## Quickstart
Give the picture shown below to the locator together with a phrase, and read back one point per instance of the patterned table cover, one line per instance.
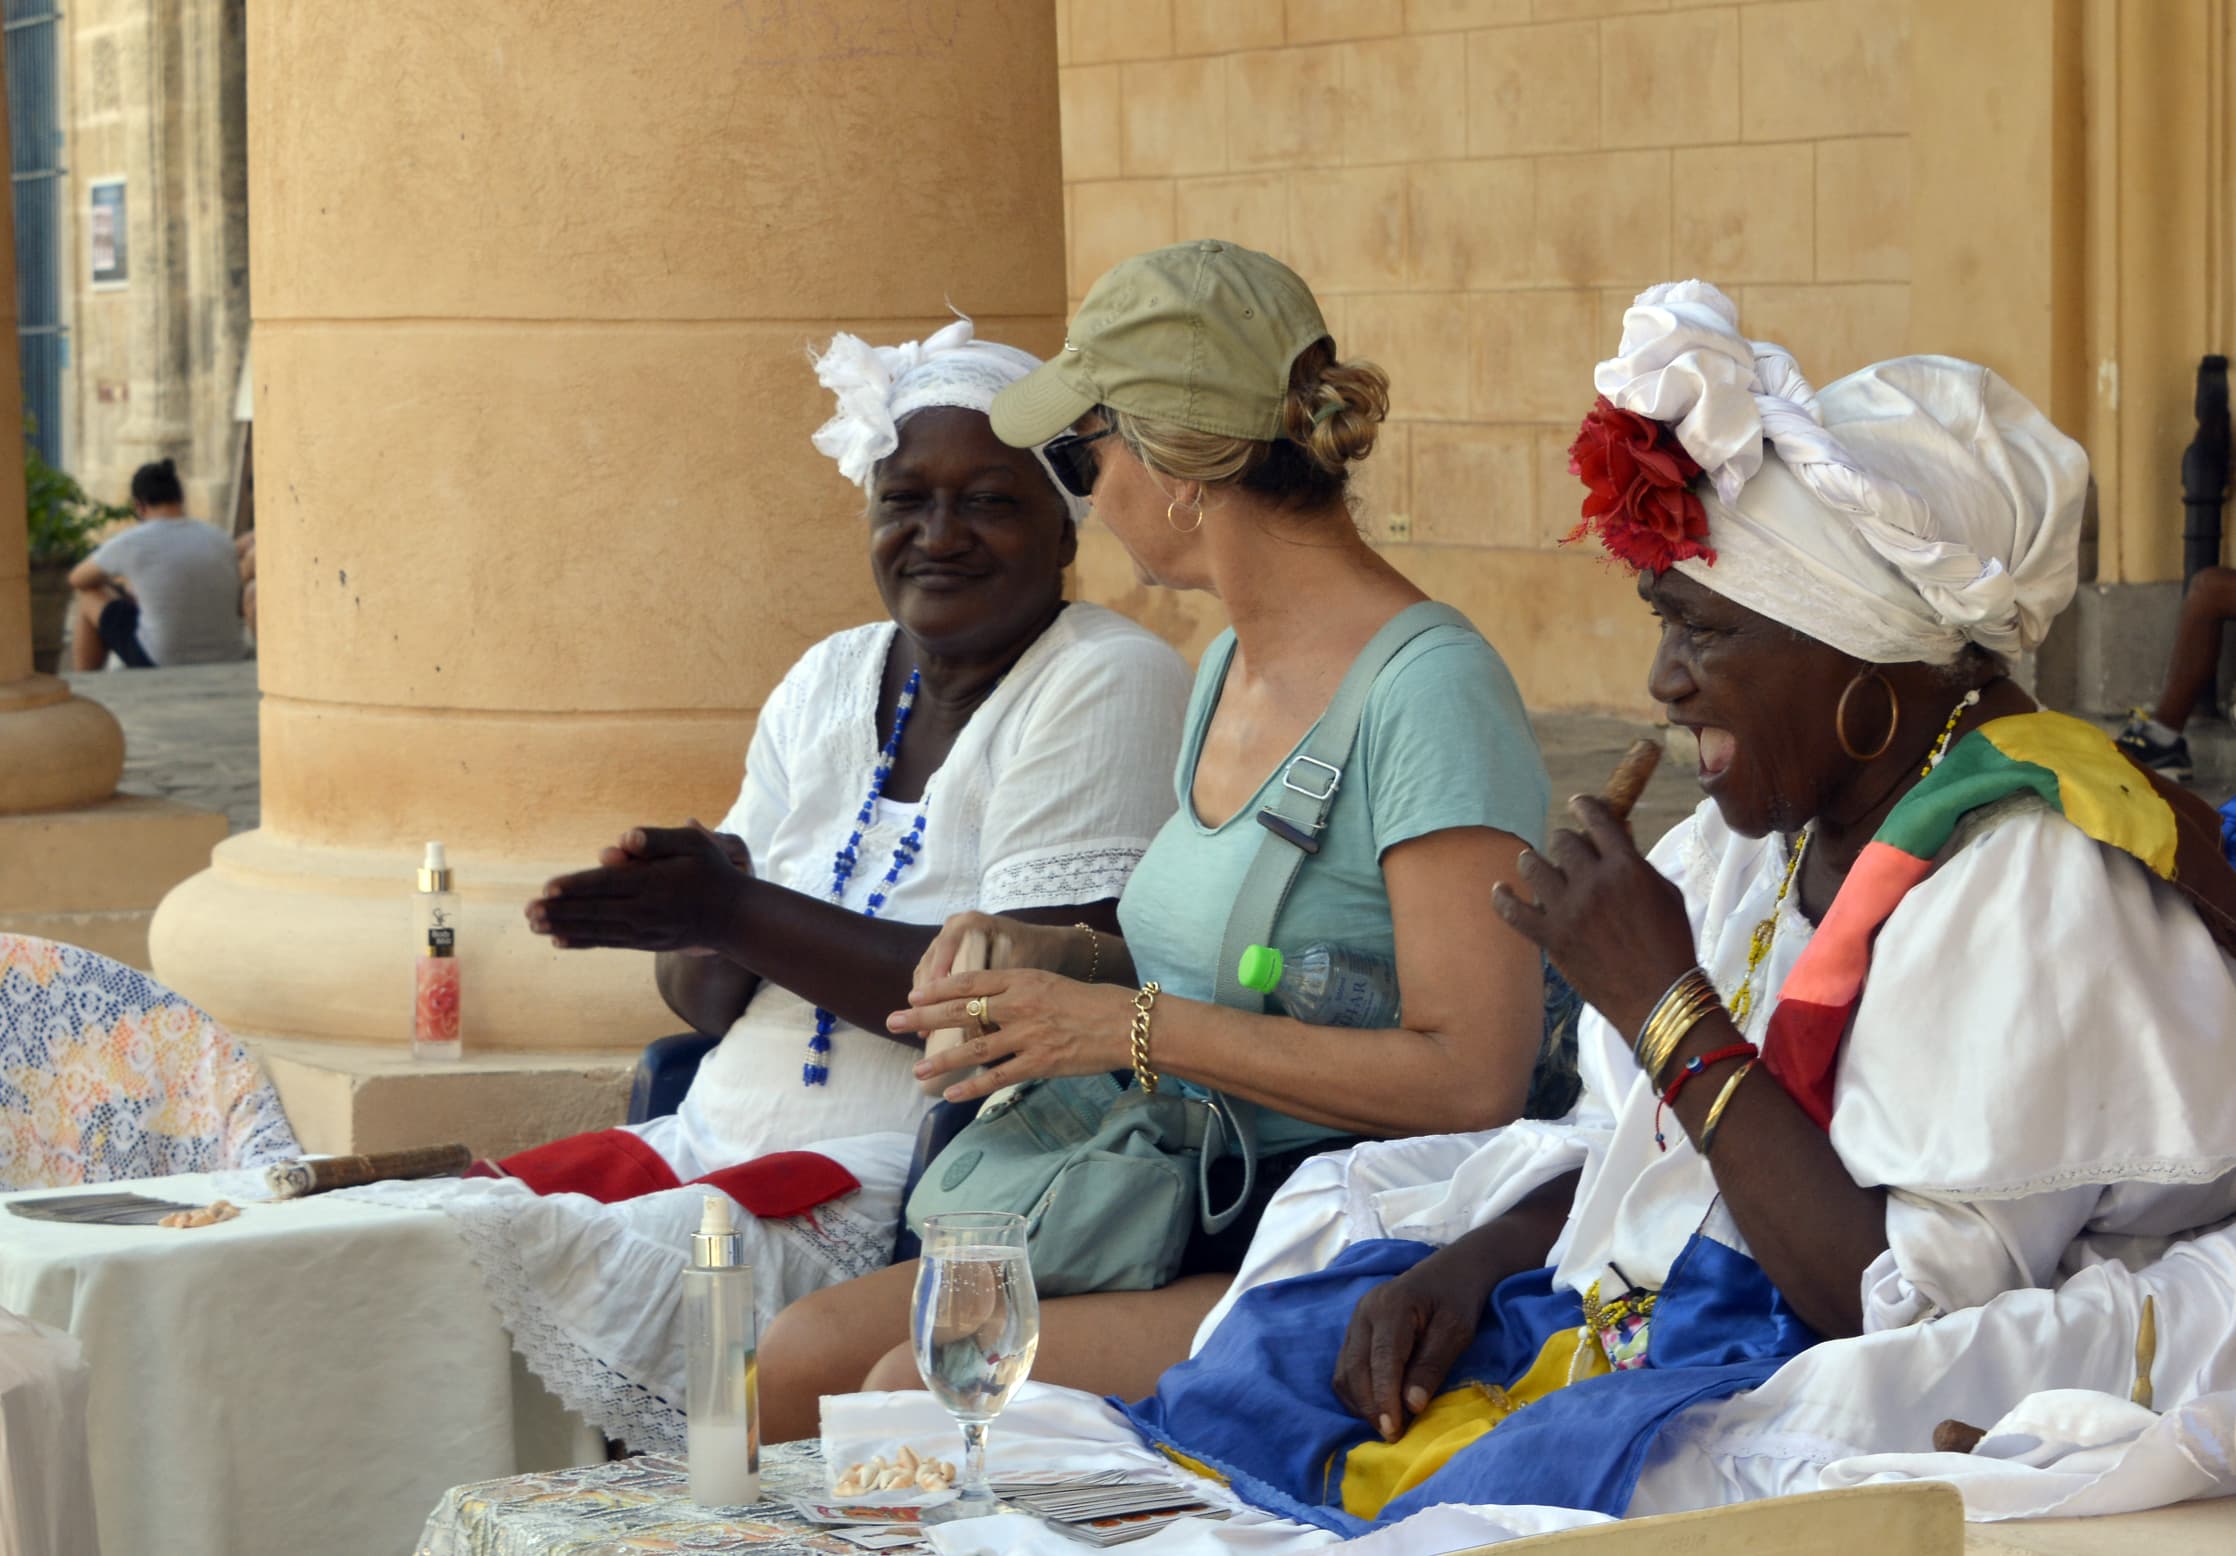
(632, 1505)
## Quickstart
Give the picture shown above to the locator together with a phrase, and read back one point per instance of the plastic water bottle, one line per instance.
(1325, 985)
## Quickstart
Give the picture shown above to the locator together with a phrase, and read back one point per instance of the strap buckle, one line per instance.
(1335, 780)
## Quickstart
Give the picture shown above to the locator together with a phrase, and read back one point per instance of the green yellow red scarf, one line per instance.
(2077, 771)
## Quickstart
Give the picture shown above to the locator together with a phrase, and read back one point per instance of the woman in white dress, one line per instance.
(990, 746)
(1906, 1062)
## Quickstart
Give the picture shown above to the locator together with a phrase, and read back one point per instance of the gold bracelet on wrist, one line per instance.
(1689, 999)
(1094, 951)
(1715, 1118)
(1145, 1076)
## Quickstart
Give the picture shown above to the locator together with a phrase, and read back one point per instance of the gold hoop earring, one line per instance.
(1840, 715)
(1172, 507)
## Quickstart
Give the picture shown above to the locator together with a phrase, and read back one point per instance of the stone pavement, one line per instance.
(190, 735)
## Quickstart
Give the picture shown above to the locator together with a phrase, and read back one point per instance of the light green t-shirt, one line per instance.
(1444, 742)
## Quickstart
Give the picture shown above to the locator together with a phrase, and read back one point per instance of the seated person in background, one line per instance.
(165, 592)
(1916, 1030)
(1215, 427)
(2154, 737)
(990, 746)
(245, 549)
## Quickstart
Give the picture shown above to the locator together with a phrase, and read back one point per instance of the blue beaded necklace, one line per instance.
(817, 1070)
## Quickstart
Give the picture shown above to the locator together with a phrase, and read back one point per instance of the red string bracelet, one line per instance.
(1690, 1068)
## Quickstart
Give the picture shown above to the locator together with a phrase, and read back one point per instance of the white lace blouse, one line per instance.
(1048, 797)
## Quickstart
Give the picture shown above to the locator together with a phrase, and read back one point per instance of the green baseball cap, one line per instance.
(1202, 334)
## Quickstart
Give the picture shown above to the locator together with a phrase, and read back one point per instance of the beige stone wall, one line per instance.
(1476, 188)
(156, 95)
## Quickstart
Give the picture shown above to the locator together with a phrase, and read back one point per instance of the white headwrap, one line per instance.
(879, 387)
(1913, 507)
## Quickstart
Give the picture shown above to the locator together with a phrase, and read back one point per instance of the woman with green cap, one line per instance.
(1213, 427)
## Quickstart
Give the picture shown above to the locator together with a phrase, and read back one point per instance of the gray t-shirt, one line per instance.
(187, 579)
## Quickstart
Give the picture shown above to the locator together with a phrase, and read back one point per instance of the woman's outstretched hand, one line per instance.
(1612, 923)
(1405, 1335)
(1037, 1024)
(657, 889)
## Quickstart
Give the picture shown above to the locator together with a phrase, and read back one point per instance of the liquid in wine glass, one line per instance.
(976, 1324)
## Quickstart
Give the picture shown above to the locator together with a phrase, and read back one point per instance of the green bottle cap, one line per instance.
(1260, 969)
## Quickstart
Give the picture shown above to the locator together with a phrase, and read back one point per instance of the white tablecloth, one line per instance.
(311, 1377)
(46, 1489)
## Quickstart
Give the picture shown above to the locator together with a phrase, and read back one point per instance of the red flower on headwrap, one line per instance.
(1639, 496)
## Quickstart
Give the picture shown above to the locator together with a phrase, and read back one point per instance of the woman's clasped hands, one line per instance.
(1033, 1019)
(657, 889)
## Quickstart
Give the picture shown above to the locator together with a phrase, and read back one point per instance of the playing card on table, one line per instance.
(892, 1540)
(840, 1514)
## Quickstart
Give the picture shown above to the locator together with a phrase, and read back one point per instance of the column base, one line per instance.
(56, 751)
(92, 876)
(345, 1097)
(2108, 651)
(287, 940)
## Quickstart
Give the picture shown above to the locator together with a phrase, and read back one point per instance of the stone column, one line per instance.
(540, 523)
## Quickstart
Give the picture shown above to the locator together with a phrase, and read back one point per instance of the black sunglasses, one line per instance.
(1073, 462)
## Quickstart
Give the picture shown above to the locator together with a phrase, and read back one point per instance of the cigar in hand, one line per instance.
(1630, 776)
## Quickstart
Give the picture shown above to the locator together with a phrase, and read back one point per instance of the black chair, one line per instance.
(664, 1074)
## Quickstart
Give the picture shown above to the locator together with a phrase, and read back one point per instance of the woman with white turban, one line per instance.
(990, 746)
(1906, 1063)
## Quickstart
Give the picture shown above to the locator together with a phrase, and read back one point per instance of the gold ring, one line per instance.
(976, 1008)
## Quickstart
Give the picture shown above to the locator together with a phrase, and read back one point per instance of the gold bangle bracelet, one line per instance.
(1678, 1010)
(1094, 951)
(1678, 1013)
(1145, 1077)
(1715, 1118)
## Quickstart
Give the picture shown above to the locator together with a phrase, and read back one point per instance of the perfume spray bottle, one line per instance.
(722, 1407)
(434, 1025)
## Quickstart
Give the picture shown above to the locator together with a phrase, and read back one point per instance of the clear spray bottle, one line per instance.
(722, 1398)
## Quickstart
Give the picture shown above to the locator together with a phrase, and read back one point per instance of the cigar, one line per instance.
(1956, 1437)
(292, 1180)
(1630, 775)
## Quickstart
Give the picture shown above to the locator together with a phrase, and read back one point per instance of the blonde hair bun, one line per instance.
(1335, 409)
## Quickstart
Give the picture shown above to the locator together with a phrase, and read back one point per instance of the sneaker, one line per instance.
(2155, 746)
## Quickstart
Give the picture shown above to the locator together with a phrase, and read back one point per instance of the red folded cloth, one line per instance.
(613, 1164)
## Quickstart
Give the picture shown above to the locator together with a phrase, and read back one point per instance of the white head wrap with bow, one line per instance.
(879, 387)
(1913, 507)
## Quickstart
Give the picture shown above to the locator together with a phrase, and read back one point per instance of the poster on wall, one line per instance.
(105, 226)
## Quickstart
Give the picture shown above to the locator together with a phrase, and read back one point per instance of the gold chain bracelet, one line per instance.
(1094, 951)
(1144, 1002)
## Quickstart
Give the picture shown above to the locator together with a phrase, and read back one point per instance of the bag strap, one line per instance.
(1293, 823)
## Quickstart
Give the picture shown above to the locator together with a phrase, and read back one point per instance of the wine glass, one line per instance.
(976, 1323)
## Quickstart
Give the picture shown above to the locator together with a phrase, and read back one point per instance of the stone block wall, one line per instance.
(1475, 189)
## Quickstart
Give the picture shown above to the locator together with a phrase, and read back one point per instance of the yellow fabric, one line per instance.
(1192, 1466)
(2098, 789)
(1376, 1473)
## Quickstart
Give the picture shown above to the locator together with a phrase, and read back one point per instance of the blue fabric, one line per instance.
(2228, 830)
(1257, 1403)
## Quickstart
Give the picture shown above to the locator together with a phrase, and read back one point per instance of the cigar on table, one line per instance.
(291, 1180)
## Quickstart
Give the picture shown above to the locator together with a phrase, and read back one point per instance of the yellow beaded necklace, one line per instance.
(1758, 945)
